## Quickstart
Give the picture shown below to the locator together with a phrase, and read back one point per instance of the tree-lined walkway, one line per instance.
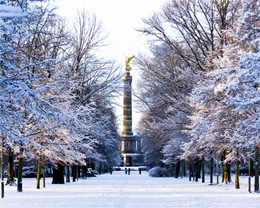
(134, 190)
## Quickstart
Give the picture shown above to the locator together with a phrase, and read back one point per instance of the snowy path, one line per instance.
(135, 191)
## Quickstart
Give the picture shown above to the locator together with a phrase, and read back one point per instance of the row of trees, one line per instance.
(55, 93)
(201, 94)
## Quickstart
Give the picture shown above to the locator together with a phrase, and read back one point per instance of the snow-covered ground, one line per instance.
(134, 190)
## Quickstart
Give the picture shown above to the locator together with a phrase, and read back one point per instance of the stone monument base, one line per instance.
(132, 160)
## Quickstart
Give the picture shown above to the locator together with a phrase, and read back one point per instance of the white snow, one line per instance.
(134, 190)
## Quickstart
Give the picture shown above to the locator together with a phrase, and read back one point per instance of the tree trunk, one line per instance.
(196, 171)
(226, 178)
(83, 175)
(211, 170)
(251, 168)
(203, 170)
(100, 167)
(190, 171)
(67, 174)
(177, 169)
(226, 173)
(256, 169)
(193, 171)
(58, 175)
(10, 174)
(217, 171)
(77, 172)
(184, 169)
(43, 179)
(73, 173)
(237, 174)
(249, 175)
(38, 176)
(20, 170)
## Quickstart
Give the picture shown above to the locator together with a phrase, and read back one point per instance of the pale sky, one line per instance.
(119, 18)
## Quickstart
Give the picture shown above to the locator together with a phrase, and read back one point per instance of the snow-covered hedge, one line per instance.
(159, 172)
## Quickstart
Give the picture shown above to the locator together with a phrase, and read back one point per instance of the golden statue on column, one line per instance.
(127, 61)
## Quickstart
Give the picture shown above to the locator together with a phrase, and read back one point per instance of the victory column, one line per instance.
(130, 144)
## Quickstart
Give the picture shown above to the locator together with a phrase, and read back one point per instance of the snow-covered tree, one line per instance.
(28, 117)
(198, 36)
(45, 103)
(96, 83)
(225, 101)
(225, 114)
(161, 102)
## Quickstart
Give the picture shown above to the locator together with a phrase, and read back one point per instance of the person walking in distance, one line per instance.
(140, 170)
(125, 170)
(129, 171)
